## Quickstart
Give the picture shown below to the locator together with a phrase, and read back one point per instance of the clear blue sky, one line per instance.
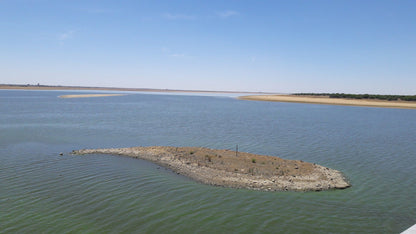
(352, 46)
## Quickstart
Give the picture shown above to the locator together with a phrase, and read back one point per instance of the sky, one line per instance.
(345, 46)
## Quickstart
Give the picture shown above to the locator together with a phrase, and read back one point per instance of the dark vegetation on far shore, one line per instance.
(363, 96)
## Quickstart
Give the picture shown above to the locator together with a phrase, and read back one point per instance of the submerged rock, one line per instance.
(236, 170)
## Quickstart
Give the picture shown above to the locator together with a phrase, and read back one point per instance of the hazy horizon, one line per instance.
(186, 90)
(268, 46)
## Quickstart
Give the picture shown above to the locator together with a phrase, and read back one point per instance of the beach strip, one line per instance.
(331, 101)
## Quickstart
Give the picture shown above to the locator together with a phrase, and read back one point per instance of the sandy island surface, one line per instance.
(90, 95)
(235, 170)
(331, 101)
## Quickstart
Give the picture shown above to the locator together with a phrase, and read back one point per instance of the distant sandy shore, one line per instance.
(90, 95)
(331, 101)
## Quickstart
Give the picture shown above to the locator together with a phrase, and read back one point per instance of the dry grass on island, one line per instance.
(233, 169)
(89, 95)
(331, 101)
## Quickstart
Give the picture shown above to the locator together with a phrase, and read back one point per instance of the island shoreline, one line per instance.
(233, 169)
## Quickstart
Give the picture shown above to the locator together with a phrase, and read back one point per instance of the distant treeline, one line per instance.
(363, 96)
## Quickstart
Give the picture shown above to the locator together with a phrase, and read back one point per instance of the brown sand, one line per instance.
(236, 170)
(90, 95)
(331, 101)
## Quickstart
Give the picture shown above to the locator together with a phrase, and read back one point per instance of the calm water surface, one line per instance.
(43, 192)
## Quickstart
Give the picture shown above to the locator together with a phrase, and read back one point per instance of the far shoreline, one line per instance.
(331, 101)
(69, 88)
(251, 96)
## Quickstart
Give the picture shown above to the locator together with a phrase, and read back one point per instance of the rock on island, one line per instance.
(233, 169)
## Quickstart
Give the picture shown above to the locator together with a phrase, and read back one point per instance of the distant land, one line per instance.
(59, 87)
(367, 100)
(362, 96)
(385, 101)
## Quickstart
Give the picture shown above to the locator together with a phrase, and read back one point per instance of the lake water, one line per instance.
(43, 192)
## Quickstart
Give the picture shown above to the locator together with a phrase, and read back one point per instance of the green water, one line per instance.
(42, 192)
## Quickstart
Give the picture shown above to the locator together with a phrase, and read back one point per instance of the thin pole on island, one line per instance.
(236, 150)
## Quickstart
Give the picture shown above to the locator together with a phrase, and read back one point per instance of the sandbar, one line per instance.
(233, 169)
(89, 95)
(331, 101)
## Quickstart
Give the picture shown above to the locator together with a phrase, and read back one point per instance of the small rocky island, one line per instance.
(235, 169)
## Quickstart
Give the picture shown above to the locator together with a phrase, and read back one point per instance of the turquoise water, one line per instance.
(43, 192)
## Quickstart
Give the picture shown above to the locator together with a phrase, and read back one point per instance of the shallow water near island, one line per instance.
(41, 191)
